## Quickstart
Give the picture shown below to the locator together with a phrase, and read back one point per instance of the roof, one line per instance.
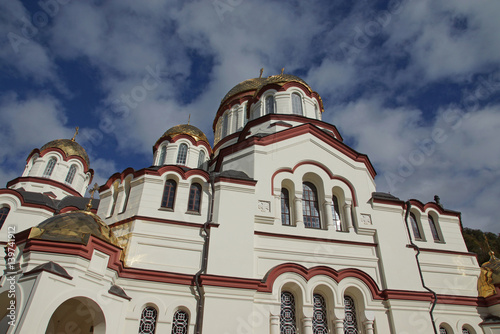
(186, 129)
(68, 201)
(255, 84)
(75, 227)
(69, 147)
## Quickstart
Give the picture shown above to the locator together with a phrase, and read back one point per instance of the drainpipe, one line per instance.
(205, 232)
(408, 207)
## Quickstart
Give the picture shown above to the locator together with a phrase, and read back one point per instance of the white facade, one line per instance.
(279, 209)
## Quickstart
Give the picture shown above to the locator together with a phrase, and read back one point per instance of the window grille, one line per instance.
(285, 207)
(297, 104)
(201, 159)
(182, 154)
(4, 212)
(288, 324)
(414, 226)
(148, 320)
(163, 154)
(434, 231)
(320, 322)
(270, 105)
(442, 330)
(71, 174)
(180, 324)
(310, 205)
(336, 214)
(169, 194)
(50, 167)
(465, 331)
(194, 198)
(350, 321)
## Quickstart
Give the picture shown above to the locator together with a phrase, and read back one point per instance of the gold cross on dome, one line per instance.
(76, 132)
(261, 71)
(91, 192)
(282, 70)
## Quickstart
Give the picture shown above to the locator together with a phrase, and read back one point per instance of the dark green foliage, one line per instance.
(474, 239)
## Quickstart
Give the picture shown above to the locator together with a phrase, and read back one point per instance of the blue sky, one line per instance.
(415, 85)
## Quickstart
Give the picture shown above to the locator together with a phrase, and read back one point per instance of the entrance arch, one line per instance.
(77, 315)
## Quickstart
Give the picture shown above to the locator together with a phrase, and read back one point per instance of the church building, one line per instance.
(275, 228)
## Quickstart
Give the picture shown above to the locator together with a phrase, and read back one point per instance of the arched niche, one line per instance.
(78, 314)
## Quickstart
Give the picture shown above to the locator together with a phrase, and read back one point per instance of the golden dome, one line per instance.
(254, 85)
(186, 129)
(69, 147)
(489, 277)
(74, 226)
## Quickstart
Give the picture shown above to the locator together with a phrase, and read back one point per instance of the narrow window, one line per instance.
(350, 321)
(310, 205)
(115, 197)
(296, 104)
(148, 320)
(336, 214)
(201, 159)
(127, 195)
(4, 212)
(285, 207)
(163, 154)
(316, 111)
(236, 120)
(50, 167)
(182, 154)
(225, 126)
(169, 194)
(194, 198)
(270, 104)
(71, 174)
(180, 324)
(414, 226)
(320, 323)
(434, 231)
(442, 330)
(288, 324)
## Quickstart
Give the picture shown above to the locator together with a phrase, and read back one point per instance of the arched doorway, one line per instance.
(77, 315)
(8, 311)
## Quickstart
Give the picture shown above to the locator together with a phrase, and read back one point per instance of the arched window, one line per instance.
(71, 174)
(225, 126)
(320, 322)
(414, 226)
(236, 120)
(127, 195)
(297, 104)
(465, 331)
(434, 231)
(285, 207)
(194, 198)
(169, 194)
(310, 205)
(50, 167)
(201, 158)
(148, 320)
(336, 214)
(288, 324)
(4, 212)
(182, 154)
(114, 198)
(163, 155)
(270, 104)
(350, 321)
(180, 323)
(442, 330)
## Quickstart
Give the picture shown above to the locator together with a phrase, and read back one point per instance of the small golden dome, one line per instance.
(186, 129)
(74, 226)
(489, 277)
(69, 147)
(254, 85)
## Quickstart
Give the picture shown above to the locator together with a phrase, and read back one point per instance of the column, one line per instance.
(347, 216)
(307, 323)
(277, 207)
(299, 219)
(328, 213)
(275, 324)
(338, 326)
(368, 326)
